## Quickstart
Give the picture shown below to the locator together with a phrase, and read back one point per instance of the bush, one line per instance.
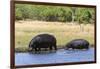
(57, 13)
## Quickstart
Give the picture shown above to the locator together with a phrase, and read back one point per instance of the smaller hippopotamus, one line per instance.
(78, 44)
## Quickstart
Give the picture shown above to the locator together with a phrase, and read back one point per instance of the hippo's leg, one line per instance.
(50, 47)
(45, 49)
(87, 47)
(36, 49)
(39, 49)
(55, 47)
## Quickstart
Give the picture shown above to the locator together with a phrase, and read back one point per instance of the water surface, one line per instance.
(60, 56)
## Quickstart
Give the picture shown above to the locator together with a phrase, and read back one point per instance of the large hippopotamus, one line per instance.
(43, 41)
(78, 44)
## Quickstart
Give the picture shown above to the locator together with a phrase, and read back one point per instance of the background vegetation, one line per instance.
(51, 13)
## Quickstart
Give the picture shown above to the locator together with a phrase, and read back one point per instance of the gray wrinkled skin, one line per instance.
(43, 41)
(78, 44)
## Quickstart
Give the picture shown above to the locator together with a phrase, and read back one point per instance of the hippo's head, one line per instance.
(31, 45)
(68, 45)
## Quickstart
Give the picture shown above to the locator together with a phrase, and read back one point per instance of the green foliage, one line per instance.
(54, 13)
(18, 14)
(84, 15)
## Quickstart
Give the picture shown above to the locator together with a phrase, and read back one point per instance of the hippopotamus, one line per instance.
(78, 44)
(43, 41)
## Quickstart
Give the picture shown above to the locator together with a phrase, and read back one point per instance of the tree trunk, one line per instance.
(81, 27)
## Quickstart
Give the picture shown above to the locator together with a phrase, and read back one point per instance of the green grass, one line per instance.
(64, 33)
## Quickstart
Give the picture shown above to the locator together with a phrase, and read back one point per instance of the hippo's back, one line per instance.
(46, 38)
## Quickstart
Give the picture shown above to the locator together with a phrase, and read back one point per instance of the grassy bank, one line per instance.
(64, 32)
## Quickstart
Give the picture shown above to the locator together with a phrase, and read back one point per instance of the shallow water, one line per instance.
(60, 56)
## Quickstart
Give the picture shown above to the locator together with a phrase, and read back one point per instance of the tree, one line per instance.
(18, 14)
(57, 13)
(73, 11)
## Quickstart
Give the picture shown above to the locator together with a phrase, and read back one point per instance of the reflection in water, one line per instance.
(59, 56)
